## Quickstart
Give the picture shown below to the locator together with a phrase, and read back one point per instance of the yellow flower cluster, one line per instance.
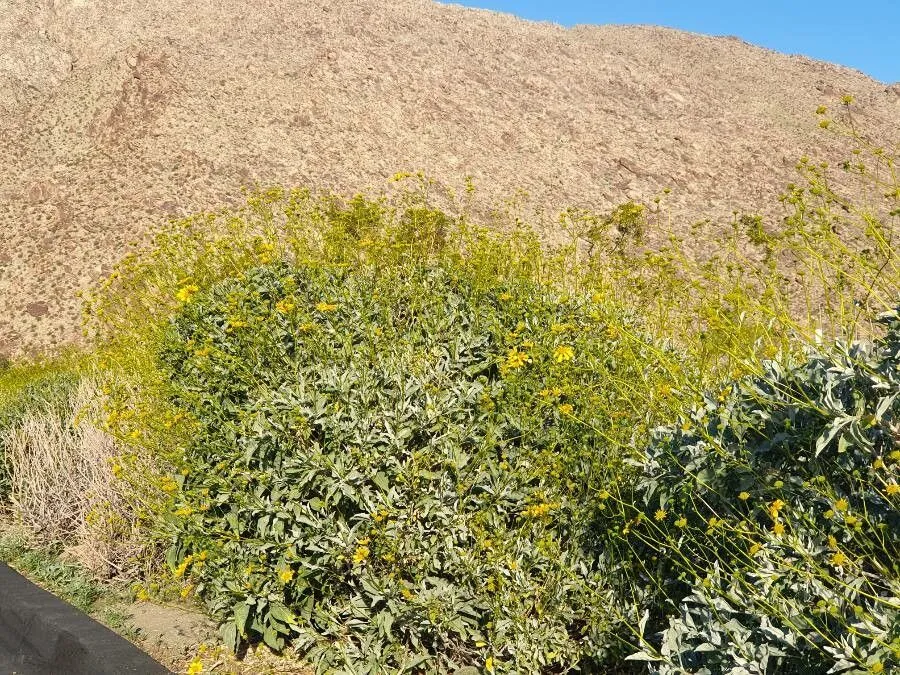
(186, 293)
(563, 353)
(168, 484)
(361, 555)
(182, 568)
(540, 510)
(516, 358)
(285, 306)
(775, 508)
(325, 307)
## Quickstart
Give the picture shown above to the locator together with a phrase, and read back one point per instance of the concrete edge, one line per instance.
(62, 638)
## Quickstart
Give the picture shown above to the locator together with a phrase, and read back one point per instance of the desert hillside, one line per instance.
(115, 115)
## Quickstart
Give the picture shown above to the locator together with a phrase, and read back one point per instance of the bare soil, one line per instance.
(118, 114)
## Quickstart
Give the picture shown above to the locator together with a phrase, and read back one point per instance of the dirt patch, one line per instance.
(176, 635)
(170, 634)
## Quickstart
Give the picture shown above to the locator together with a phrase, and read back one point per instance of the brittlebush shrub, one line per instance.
(397, 468)
(774, 513)
(397, 439)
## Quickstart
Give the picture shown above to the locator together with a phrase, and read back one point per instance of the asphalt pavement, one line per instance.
(42, 635)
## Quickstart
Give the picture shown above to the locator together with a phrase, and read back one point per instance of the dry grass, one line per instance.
(63, 490)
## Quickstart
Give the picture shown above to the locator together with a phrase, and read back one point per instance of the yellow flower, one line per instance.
(489, 664)
(838, 559)
(566, 409)
(505, 296)
(832, 542)
(406, 593)
(756, 548)
(775, 507)
(285, 306)
(851, 520)
(516, 359)
(286, 575)
(829, 514)
(877, 667)
(878, 463)
(195, 667)
(539, 510)
(360, 555)
(778, 528)
(325, 307)
(892, 489)
(660, 514)
(563, 353)
(187, 293)
(559, 328)
(744, 496)
(186, 591)
(895, 455)
(841, 504)
(681, 522)
(821, 110)
(181, 569)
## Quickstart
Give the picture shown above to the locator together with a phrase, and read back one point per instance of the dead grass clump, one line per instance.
(62, 487)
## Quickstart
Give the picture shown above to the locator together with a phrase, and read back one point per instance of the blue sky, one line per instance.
(862, 34)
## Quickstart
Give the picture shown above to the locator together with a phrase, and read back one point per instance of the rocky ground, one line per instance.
(118, 114)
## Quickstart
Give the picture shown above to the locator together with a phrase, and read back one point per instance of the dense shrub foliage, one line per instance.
(775, 513)
(391, 438)
(398, 468)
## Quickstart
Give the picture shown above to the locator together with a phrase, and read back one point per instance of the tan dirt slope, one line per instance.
(116, 114)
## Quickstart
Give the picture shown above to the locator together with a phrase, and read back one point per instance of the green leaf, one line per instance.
(241, 613)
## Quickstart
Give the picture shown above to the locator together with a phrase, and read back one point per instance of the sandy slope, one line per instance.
(115, 114)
